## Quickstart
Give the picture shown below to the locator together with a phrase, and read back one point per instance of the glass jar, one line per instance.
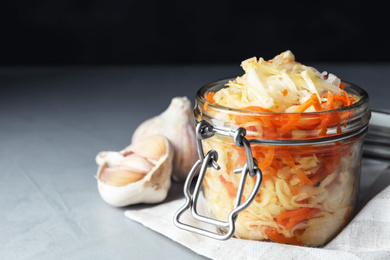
(309, 166)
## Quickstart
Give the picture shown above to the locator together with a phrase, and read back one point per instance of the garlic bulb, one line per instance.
(177, 123)
(139, 173)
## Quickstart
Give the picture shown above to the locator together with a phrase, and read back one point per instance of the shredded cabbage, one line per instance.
(333, 196)
(279, 84)
(308, 191)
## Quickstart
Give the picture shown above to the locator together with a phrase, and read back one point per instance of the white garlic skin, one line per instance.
(153, 188)
(177, 123)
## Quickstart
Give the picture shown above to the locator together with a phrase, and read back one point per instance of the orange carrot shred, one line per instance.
(317, 104)
(305, 105)
(272, 171)
(312, 101)
(294, 191)
(299, 218)
(275, 236)
(304, 179)
(268, 158)
(338, 120)
(304, 216)
(348, 101)
(284, 92)
(287, 127)
(206, 105)
(320, 174)
(266, 177)
(343, 97)
(210, 97)
(293, 217)
(290, 161)
(328, 106)
(232, 191)
(292, 213)
(329, 103)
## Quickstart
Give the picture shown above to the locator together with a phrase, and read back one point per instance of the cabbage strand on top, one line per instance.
(279, 85)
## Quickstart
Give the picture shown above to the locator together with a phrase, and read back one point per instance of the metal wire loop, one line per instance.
(213, 160)
(238, 136)
(204, 130)
(249, 157)
(227, 228)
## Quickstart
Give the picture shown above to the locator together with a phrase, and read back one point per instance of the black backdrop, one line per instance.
(180, 32)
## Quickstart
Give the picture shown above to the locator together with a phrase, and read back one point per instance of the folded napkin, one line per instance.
(367, 236)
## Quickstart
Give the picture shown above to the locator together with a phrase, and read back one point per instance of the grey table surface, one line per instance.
(54, 120)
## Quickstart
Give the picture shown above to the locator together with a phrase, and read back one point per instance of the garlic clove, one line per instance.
(151, 187)
(151, 126)
(177, 123)
(152, 147)
(119, 176)
(136, 163)
(112, 158)
(186, 147)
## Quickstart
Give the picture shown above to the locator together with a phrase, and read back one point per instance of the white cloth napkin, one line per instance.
(367, 236)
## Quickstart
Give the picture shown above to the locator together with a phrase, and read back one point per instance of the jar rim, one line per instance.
(218, 84)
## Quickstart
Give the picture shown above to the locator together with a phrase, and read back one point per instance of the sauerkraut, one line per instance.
(308, 191)
(282, 85)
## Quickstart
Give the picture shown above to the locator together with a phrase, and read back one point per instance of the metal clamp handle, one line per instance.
(205, 130)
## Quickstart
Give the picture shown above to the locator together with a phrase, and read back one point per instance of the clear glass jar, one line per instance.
(310, 165)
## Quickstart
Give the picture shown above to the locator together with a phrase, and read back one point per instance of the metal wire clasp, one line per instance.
(205, 130)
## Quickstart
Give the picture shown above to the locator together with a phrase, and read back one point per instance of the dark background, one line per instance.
(71, 32)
